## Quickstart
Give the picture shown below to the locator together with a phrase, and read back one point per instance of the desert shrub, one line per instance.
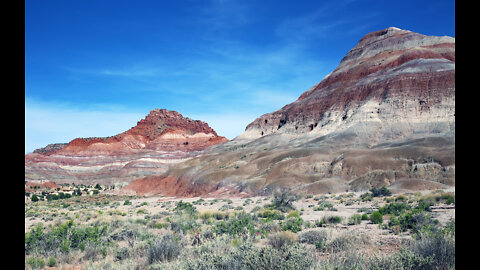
(247, 256)
(343, 242)
(355, 219)
(122, 254)
(376, 217)
(51, 262)
(206, 216)
(271, 214)
(63, 237)
(269, 227)
(293, 213)
(293, 224)
(241, 223)
(445, 197)
(164, 249)
(325, 204)
(367, 196)
(424, 205)
(316, 238)
(182, 222)
(394, 209)
(280, 239)
(438, 246)
(283, 201)
(127, 202)
(413, 220)
(401, 260)
(328, 220)
(35, 262)
(185, 207)
(34, 198)
(379, 192)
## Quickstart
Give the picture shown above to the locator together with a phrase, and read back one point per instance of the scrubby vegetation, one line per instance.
(126, 232)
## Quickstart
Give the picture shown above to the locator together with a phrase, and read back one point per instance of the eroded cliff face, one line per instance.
(384, 116)
(160, 140)
(392, 84)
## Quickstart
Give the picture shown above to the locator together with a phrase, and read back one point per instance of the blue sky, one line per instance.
(95, 68)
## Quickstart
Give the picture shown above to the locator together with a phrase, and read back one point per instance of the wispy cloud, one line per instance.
(324, 22)
(223, 14)
(129, 73)
(133, 72)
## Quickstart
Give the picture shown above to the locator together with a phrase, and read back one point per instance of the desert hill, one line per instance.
(160, 140)
(384, 116)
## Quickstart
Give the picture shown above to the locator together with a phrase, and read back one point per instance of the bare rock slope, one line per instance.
(384, 116)
(160, 140)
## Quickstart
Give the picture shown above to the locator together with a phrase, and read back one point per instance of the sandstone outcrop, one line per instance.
(384, 116)
(160, 140)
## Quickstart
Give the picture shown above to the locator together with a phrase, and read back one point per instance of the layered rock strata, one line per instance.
(394, 83)
(163, 138)
(384, 116)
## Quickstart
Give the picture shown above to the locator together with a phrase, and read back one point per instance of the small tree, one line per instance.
(283, 200)
(34, 198)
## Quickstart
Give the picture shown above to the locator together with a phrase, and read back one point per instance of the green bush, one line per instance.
(241, 223)
(51, 262)
(271, 214)
(367, 196)
(379, 192)
(36, 262)
(293, 213)
(185, 207)
(413, 220)
(394, 209)
(293, 224)
(63, 237)
(355, 219)
(376, 217)
(329, 220)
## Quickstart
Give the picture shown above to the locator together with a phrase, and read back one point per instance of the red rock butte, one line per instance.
(160, 140)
